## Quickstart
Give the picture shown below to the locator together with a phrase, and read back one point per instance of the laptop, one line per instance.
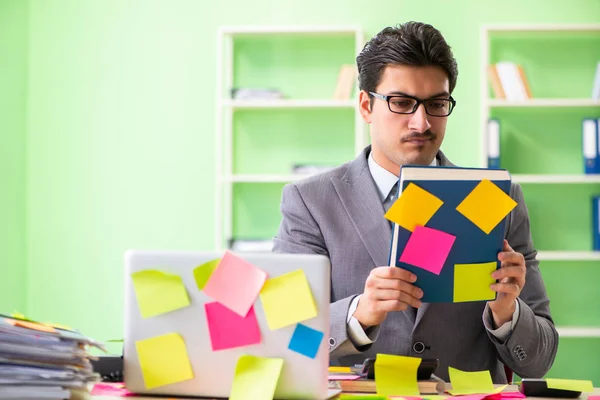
(303, 375)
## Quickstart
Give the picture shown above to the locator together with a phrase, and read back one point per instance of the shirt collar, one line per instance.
(384, 179)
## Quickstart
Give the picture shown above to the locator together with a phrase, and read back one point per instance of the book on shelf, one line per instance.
(591, 145)
(448, 228)
(345, 82)
(508, 81)
(493, 132)
(251, 245)
(256, 94)
(596, 86)
(596, 222)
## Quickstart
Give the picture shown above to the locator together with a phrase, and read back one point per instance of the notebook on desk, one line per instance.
(448, 228)
(206, 324)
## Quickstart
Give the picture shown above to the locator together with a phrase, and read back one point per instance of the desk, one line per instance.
(511, 388)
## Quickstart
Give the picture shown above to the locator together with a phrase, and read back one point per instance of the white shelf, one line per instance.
(498, 103)
(260, 178)
(547, 178)
(552, 255)
(284, 103)
(542, 28)
(580, 332)
(302, 30)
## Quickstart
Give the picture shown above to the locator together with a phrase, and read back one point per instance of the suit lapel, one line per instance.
(358, 194)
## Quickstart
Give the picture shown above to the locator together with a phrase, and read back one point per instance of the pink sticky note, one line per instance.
(507, 395)
(235, 283)
(468, 397)
(228, 330)
(593, 397)
(428, 249)
(110, 389)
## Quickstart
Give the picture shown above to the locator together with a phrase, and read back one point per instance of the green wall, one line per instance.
(13, 93)
(120, 132)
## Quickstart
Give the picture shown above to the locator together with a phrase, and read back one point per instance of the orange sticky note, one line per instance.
(30, 325)
(472, 282)
(415, 206)
(163, 360)
(287, 299)
(235, 283)
(396, 375)
(486, 206)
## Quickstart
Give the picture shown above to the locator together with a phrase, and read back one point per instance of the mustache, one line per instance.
(427, 135)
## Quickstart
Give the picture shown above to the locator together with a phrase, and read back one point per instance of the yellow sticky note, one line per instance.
(287, 299)
(336, 369)
(479, 382)
(255, 378)
(158, 292)
(203, 272)
(415, 206)
(396, 375)
(472, 282)
(163, 360)
(486, 206)
(570, 384)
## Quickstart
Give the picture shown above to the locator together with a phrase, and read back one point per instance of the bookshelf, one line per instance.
(541, 146)
(257, 140)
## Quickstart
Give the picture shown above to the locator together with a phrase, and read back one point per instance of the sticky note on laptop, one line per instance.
(287, 299)
(163, 360)
(158, 292)
(255, 378)
(235, 283)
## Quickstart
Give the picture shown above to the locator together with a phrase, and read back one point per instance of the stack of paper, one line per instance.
(41, 361)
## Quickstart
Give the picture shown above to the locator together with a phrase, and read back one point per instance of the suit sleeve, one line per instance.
(531, 348)
(299, 232)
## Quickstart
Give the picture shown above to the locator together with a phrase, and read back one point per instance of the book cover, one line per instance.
(590, 146)
(448, 228)
(596, 221)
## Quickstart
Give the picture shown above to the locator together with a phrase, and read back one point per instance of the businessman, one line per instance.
(406, 78)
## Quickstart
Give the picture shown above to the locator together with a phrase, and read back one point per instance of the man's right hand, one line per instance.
(386, 289)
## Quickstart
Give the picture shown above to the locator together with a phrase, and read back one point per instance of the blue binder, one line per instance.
(590, 146)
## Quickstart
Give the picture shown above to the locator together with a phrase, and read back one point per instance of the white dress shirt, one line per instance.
(385, 181)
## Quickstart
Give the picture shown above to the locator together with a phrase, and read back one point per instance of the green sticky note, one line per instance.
(163, 360)
(479, 382)
(255, 378)
(570, 384)
(396, 375)
(472, 282)
(203, 272)
(158, 292)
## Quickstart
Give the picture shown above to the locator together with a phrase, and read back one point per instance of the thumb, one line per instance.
(506, 246)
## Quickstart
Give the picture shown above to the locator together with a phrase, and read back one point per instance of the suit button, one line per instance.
(419, 347)
(331, 342)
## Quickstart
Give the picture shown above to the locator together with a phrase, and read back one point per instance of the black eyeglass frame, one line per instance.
(387, 99)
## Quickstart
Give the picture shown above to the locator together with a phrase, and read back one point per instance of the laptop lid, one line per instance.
(159, 281)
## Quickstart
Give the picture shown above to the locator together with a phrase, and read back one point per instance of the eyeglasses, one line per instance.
(408, 104)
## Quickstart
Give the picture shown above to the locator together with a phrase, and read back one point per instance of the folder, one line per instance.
(590, 146)
(493, 132)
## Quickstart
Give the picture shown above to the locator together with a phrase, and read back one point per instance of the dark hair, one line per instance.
(411, 43)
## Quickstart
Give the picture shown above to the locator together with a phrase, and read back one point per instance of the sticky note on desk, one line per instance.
(255, 378)
(235, 283)
(396, 375)
(570, 384)
(163, 360)
(428, 248)
(415, 206)
(287, 299)
(30, 325)
(158, 292)
(486, 206)
(479, 382)
(203, 272)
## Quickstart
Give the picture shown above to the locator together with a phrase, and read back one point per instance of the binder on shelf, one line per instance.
(596, 87)
(590, 146)
(596, 221)
(493, 132)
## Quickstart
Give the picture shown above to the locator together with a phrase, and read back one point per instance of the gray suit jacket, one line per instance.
(339, 214)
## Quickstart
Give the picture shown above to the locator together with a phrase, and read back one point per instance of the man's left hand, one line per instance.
(511, 278)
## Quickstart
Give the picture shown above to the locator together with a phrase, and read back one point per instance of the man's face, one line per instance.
(398, 139)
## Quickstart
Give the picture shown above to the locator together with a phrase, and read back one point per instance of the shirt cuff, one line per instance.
(356, 333)
(503, 332)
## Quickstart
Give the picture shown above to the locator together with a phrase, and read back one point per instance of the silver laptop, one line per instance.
(212, 372)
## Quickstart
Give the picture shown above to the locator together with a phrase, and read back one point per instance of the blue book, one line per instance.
(449, 229)
(493, 132)
(590, 146)
(596, 221)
